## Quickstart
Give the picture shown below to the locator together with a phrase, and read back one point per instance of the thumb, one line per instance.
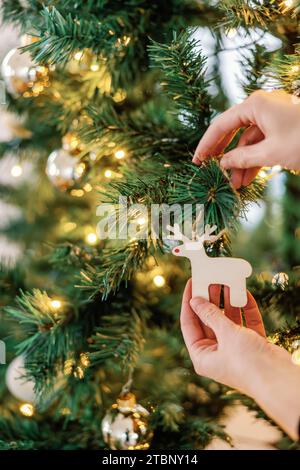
(247, 156)
(211, 316)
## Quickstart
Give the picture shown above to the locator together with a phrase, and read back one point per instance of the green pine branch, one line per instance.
(184, 68)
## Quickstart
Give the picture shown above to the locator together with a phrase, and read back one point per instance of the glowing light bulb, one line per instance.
(119, 154)
(88, 187)
(288, 3)
(159, 281)
(27, 409)
(78, 55)
(295, 68)
(108, 173)
(56, 304)
(16, 171)
(141, 221)
(94, 67)
(262, 173)
(91, 238)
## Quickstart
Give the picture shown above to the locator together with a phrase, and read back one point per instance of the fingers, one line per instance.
(214, 296)
(233, 313)
(190, 323)
(222, 129)
(253, 317)
(249, 175)
(249, 156)
(251, 135)
(211, 316)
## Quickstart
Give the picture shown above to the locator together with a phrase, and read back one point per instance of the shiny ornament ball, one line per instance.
(280, 280)
(64, 169)
(22, 76)
(126, 426)
(20, 387)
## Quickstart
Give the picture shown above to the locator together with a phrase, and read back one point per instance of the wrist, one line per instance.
(276, 388)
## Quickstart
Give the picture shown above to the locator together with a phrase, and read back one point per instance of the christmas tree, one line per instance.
(112, 99)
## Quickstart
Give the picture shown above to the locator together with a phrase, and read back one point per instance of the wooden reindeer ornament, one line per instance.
(207, 270)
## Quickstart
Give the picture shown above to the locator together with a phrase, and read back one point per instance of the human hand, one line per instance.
(241, 357)
(219, 347)
(271, 136)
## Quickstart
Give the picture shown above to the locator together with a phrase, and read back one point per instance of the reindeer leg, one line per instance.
(238, 294)
(200, 289)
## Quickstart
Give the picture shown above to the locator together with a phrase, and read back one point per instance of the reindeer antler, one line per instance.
(178, 235)
(208, 230)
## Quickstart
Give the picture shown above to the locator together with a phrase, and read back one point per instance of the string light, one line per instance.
(141, 221)
(108, 173)
(94, 67)
(288, 3)
(262, 173)
(78, 55)
(88, 187)
(16, 171)
(91, 238)
(77, 192)
(295, 68)
(159, 280)
(27, 409)
(56, 304)
(119, 154)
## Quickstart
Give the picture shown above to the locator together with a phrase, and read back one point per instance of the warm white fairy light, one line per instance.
(27, 409)
(159, 280)
(88, 187)
(16, 171)
(91, 238)
(141, 221)
(295, 68)
(288, 3)
(95, 67)
(108, 173)
(119, 154)
(78, 55)
(56, 304)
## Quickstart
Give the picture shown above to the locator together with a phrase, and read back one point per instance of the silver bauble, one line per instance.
(126, 426)
(19, 386)
(64, 169)
(22, 76)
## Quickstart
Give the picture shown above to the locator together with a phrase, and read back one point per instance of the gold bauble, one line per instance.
(280, 280)
(22, 76)
(125, 426)
(64, 169)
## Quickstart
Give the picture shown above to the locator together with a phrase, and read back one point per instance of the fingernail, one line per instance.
(195, 302)
(195, 159)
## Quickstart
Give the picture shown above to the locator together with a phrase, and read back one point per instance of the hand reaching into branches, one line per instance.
(241, 357)
(271, 123)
